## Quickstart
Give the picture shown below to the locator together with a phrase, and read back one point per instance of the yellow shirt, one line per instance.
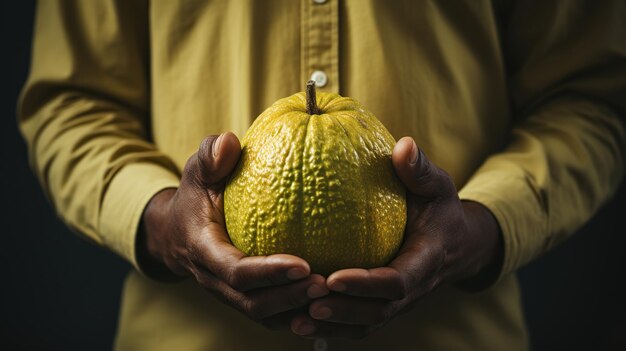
(519, 102)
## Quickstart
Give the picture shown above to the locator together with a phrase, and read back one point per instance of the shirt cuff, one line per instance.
(518, 211)
(126, 198)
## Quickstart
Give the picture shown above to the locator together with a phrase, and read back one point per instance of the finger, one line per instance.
(263, 303)
(306, 326)
(214, 161)
(383, 283)
(412, 273)
(216, 253)
(266, 302)
(422, 177)
(345, 309)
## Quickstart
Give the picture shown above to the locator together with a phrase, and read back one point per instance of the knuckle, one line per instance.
(251, 308)
(434, 283)
(203, 280)
(203, 277)
(206, 144)
(256, 311)
(424, 175)
(221, 272)
(235, 278)
(191, 167)
(198, 165)
(204, 150)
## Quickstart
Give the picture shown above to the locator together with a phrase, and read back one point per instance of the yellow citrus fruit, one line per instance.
(318, 184)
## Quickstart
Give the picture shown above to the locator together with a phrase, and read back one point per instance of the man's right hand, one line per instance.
(184, 232)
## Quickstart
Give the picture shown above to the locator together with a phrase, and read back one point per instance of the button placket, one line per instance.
(319, 51)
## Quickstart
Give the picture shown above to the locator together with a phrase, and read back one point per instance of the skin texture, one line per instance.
(183, 232)
(446, 242)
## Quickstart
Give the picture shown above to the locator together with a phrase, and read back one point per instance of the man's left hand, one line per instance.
(446, 241)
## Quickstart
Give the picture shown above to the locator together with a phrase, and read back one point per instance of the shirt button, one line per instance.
(319, 1)
(320, 345)
(320, 78)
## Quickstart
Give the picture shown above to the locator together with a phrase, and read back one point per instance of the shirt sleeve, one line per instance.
(567, 80)
(84, 113)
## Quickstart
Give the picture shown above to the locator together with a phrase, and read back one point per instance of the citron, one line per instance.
(315, 180)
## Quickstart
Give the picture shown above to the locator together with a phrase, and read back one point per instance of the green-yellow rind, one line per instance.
(320, 187)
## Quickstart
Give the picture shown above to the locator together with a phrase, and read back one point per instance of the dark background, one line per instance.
(62, 293)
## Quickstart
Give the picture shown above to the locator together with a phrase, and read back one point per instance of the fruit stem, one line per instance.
(311, 101)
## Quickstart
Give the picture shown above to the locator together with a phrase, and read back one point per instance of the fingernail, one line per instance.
(216, 145)
(296, 273)
(338, 286)
(314, 291)
(414, 155)
(305, 329)
(321, 312)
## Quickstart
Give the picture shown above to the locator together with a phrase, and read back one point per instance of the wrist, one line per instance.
(485, 249)
(151, 234)
(155, 222)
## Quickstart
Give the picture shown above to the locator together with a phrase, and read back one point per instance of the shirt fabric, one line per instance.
(520, 102)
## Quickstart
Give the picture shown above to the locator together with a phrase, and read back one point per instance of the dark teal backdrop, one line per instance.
(59, 292)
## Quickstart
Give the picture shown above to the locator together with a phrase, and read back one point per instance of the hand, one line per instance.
(446, 240)
(183, 231)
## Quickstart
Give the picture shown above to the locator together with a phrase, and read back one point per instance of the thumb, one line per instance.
(215, 160)
(422, 177)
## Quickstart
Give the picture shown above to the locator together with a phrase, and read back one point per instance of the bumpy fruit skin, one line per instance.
(321, 187)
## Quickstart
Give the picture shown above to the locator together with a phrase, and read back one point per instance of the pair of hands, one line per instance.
(446, 241)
